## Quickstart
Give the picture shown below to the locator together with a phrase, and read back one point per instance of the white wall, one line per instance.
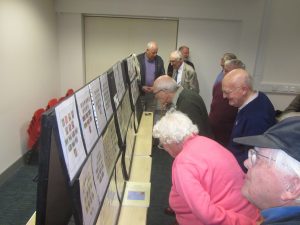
(30, 74)
(277, 60)
(70, 43)
(248, 14)
(28, 71)
(108, 40)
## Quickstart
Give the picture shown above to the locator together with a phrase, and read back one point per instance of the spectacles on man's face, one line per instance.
(253, 155)
(228, 92)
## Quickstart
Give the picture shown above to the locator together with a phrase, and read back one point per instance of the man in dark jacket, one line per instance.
(170, 94)
(273, 179)
(151, 67)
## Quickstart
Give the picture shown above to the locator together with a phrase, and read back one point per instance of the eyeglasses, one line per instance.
(230, 91)
(253, 155)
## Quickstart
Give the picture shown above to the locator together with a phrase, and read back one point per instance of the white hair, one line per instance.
(174, 127)
(285, 163)
(177, 55)
(287, 166)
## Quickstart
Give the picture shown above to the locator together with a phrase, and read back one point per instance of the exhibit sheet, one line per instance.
(86, 117)
(101, 177)
(88, 196)
(110, 207)
(120, 84)
(98, 105)
(130, 138)
(131, 68)
(111, 148)
(106, 96)
(70, 136)
(134, 91)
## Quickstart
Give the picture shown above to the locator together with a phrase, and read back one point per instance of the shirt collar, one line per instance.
(250, 99)
(180, 69)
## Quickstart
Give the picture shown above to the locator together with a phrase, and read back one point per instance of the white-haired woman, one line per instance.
(206, 178)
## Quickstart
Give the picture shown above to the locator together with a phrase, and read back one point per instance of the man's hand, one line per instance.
(147, 89)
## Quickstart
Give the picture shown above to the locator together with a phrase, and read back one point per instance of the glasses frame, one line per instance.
(230, 91)
(253, 156)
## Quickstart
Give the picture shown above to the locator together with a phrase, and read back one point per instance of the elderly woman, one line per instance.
(206, 178)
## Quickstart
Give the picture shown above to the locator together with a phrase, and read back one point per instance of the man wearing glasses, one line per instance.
(273, 179)
(255, 111)
(171, 95)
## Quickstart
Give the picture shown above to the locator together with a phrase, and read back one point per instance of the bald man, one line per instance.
(171, 95)
(151, 67)
(255, 111)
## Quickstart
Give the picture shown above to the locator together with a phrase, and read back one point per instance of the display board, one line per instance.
(124, 112)
(119, 80)
(98, 105)
(106, 96)
(86, 117)
(101, 177)
(130, 143)
(85, 140)
(88, 196)
(71, 140)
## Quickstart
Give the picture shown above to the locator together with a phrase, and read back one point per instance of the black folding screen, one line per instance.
(87, 143)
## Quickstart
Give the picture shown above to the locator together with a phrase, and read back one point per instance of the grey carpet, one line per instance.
(18, 196)
(18, 193)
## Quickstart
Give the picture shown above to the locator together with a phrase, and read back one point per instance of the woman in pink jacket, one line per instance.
(206, 178)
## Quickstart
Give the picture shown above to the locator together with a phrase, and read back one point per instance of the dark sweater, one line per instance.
(253, 119)
(191, 103)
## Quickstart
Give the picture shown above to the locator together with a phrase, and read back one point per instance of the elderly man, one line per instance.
(255, 111)
(185, 51)
(225, 57)
(273, 179)
(183, 73)
(222, 115)
(170, 94)
(151, 67)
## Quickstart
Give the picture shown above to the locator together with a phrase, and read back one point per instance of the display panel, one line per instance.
(111, 206)
(70, 136)
(86, 117)
(111, 147)
(119, 80)
(106, 96)
(101, 176)
(123, 115)
(135, 92)
(131, 68)
(98, 105)
(130, 141)
(88, 196)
